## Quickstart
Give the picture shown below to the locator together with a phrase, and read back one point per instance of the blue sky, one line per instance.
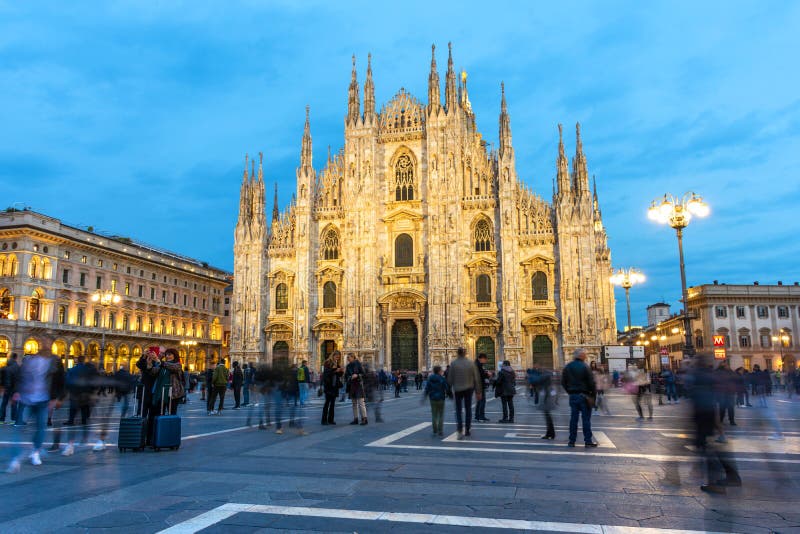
(134, 117)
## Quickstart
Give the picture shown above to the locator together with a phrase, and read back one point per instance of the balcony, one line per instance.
(531, 306)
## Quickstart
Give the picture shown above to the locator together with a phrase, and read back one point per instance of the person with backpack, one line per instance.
(219, 382)
(505, 388)
(436, 390)
(303, 382)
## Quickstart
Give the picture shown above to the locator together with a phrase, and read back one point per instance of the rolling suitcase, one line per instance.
(166, 429)
(133, 430)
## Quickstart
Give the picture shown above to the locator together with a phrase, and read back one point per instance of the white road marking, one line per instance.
(788, 445)
(600, 437)
(225, 511)
(458, 446)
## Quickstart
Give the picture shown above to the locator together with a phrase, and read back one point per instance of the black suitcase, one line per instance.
(166, 429)
(133, 430)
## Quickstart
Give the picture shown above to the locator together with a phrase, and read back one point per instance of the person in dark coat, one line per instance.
(480, 404)
(8, 380)
(354, 377)
(578, 381)
(505, 388)
(725, 382)
(237, 381)
(704, 410)
(331, 384)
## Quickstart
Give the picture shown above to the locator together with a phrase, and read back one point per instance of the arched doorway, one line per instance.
(404, 345)
(280, 354)
(542, 352)
(485, 345)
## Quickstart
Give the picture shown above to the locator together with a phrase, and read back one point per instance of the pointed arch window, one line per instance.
(330, 245)
(483, 236)
(403, 251)
(282, 297)
(483, 288)
(539, 286)
(404, 178)
(329, 295)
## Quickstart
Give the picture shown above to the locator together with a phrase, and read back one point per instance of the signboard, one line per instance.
(623, 352)
(719, 354)
(664, 351)
(665, 360)
(719, 341)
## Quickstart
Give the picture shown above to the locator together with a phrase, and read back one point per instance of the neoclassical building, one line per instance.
(50, 270)
(417, 238)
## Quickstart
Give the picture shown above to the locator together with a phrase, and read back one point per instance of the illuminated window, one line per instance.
(81, 316)
(62, 315)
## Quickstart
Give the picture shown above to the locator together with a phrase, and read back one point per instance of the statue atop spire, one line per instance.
(505, 124)
(275, 213)
(369, 92)
(305, 152)
(562, 165)
(580, 173)
(450, 90)
(353, 99)
(434, 97)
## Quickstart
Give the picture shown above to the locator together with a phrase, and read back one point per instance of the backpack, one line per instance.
(301, 374)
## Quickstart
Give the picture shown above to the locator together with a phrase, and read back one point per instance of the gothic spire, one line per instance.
(580, 173)
(261, 167)
(450, 94)
(353, 100)
(369, 92)
(562, 165)
(275, 213)
(505, 124)
(244, 196)
(434, 98)
(305, 152)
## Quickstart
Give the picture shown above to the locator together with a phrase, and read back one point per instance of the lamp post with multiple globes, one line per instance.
(104, 298)
(627, 278)
(678, 212)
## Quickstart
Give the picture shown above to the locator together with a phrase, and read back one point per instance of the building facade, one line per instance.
(417, 238)
(50, 270)
(757, 323)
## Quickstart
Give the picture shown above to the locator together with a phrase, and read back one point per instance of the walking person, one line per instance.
(547, 398)
(669, 385)
(418, 380)
(577, 380)
(353, 375)
(248, 372)
(237, 380)
(34, 394)
(505, 388)
(8, 380)
(436, 389)
(464, 380)
(480, 402)
(398, 384)
(123, 385)
(219, 383)
(331, 384)
(373, 395)
(725, 381)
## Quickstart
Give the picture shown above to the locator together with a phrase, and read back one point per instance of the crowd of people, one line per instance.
(32, 391)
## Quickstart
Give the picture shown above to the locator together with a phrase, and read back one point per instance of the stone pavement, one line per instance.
(228, 477)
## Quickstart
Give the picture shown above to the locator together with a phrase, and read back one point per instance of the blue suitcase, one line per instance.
(166, 430)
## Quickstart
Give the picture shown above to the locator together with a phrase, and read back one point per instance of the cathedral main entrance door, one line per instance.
(280, 354)
(542, 352)
(485, 345)
(404, 345)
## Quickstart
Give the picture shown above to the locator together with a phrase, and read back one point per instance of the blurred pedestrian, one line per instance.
(219, 384)
(8, 380)
(303, 381)
(725, 389)
(353, 375)
(34, 394)
(548, 396)
(480, 401)
(373, 395)
(237, 380)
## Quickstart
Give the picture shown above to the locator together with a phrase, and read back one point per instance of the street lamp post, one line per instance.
(781, 339)
(627, 278)
(105, 298)
(678, 212)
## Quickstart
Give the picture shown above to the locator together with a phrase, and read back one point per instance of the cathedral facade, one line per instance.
(416, 238)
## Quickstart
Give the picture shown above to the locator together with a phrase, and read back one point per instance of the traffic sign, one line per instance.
(719, 341)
